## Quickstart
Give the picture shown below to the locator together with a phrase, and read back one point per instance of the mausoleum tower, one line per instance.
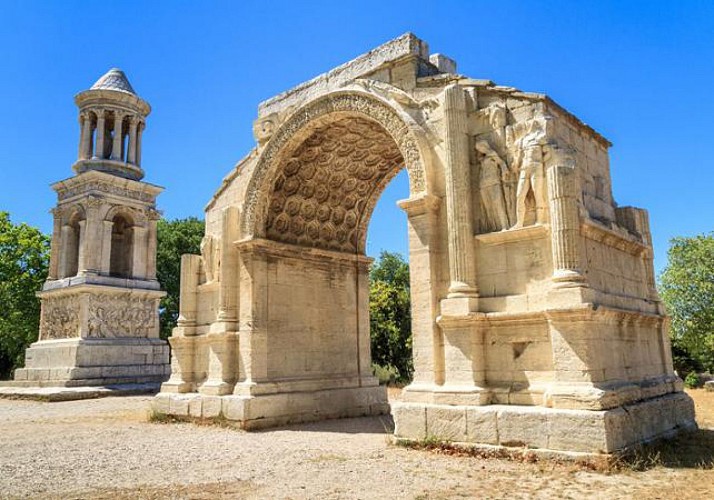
(99, 322)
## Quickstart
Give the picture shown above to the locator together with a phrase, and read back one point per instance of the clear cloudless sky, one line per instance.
(639, 72)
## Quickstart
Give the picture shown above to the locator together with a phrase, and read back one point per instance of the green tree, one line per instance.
(687, 288)
(390, 315)
(175, 238)
(24, 256)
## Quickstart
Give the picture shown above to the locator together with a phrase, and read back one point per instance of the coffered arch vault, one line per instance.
(337, 152)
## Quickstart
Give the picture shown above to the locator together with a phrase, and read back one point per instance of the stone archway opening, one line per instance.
(324, 194)
(122, 244)
(319, 208)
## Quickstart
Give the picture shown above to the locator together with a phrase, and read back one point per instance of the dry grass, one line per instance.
(704, 407)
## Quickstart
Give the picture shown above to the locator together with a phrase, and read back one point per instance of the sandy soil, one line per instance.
(106, 448)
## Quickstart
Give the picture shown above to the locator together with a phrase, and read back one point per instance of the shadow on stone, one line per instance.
(688, 450)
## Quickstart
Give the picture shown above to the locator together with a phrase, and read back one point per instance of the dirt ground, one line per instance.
(107, 448)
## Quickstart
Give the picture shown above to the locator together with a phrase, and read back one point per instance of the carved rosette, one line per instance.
(324, 193)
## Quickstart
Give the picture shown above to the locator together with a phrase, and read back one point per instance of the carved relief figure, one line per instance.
(210, 252)
(120, 316)
(59, 318)
(531, 186)
(493, 184)
(531, 200)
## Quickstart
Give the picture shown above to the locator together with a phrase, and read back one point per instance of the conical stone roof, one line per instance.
(114, 79)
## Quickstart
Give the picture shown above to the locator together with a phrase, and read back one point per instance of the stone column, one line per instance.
(85, 136)
(188, 307)
(94, 232)
(151, 248)
(139, 131)
(364, 358)
(64, 250)
(106, 245)
(131, 155)
(55, 245)
(82, 250)
(564, 217)
(139, 259)
(253, 346)
(182, 340)
(100, 139)
(116, 146)
(223, 337)
(462, 266)
(228, 277)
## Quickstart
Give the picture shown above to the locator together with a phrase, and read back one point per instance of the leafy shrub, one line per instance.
(693, 380)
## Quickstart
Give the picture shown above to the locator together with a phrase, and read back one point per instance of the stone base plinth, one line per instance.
(94, 362)
(271, 410)
(547, 429)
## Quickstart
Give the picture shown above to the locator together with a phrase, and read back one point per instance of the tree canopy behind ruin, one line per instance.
(687, 288)
(24, 258)
(175, 238)
(390, 317)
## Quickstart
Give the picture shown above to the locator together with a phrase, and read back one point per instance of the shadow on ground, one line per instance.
(689, 450)
(383, 424)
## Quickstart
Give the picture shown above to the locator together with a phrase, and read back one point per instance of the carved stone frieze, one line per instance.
(105, 187)
(60, 317)
(120, 315)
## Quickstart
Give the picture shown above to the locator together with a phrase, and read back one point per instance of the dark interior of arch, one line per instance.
(325, 191)
(120, 263)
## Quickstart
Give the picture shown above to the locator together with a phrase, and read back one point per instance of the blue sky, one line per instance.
(641, 73)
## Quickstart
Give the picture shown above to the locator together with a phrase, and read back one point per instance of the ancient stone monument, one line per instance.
(535, 316)
(99, 323)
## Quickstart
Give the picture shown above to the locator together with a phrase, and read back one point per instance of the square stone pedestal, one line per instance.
(271, 410)
(93, 362)
(546, 429)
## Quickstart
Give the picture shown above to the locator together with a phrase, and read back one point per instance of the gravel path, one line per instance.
(106, 448)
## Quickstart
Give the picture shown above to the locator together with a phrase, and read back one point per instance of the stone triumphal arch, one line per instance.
(535, 317)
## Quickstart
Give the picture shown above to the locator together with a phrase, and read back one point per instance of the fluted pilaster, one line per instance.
(564, 217)
(462, 268)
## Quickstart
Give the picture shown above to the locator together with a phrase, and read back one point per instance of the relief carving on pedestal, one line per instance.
(120, 315)
(59, 318)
